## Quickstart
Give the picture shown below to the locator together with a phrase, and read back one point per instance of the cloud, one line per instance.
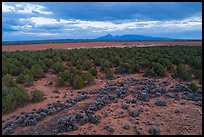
(21, 27)
(192, 23)
(101, 11)
(7, 8)
(88, 20)
(37, 21)
(24, 8)
(41, 33)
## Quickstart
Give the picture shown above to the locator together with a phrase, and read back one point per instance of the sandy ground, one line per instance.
(187, 121)
(96, 45)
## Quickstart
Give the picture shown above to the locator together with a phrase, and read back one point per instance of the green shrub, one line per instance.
(93, 71)
(109, 74)
(196, 63)
(135, 67)
(89, 78)
(182, 73)
(58, 67)
(177, 60)
(97, 61)
(87, 65)
(37, 71)
(78, 82)
(5, 69)
(15, 70)
(20, 78)
(193, 87)
(104, 64)
(65, 75)
(13, 97)
(37, 95)
(198, 74)
(149, 72)
(8, 80)
(158, 69)
(60, 82)
(169, 66)
(25, 79)
(123, 68)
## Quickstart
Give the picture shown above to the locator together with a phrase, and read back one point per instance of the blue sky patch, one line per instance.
(87, 20)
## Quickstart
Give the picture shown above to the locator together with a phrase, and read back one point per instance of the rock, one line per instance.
(95, 119)
(176, 96)
(169, 95)
(163, 89)
(160, 103)
(158, 114)
(133, 113)
(13, 116)
(19, 121)
(154, 130)
(177, 111)
(199, 103)
(33, 122)
(84, 120)
(9, 128)
(158, 94)
(124, 106)
(137, 130)
(148, 122)
(39, 117)
(182, 103)
(126, 126)
(109, 128)
(166, 83)
(143, 95)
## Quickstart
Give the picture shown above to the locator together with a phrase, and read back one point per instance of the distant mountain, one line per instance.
(108, 37)
(131, 37)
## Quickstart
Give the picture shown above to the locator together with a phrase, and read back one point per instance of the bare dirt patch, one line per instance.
(96, 45)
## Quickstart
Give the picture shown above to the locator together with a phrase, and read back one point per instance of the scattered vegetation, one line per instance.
(25, 79)
(193, 86)
(109, 73)
(60, 82)
(77, 67)
(93, 71)
(78, 82)
(13, 94)
(37, 95)
(183, 73)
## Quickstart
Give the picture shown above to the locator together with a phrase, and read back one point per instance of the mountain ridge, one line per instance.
(108, 37)
(132, 37)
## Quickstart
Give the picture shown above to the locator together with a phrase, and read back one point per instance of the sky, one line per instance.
(23, 21)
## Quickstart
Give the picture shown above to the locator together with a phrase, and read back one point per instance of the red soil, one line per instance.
(95, 45)
(188, 121)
